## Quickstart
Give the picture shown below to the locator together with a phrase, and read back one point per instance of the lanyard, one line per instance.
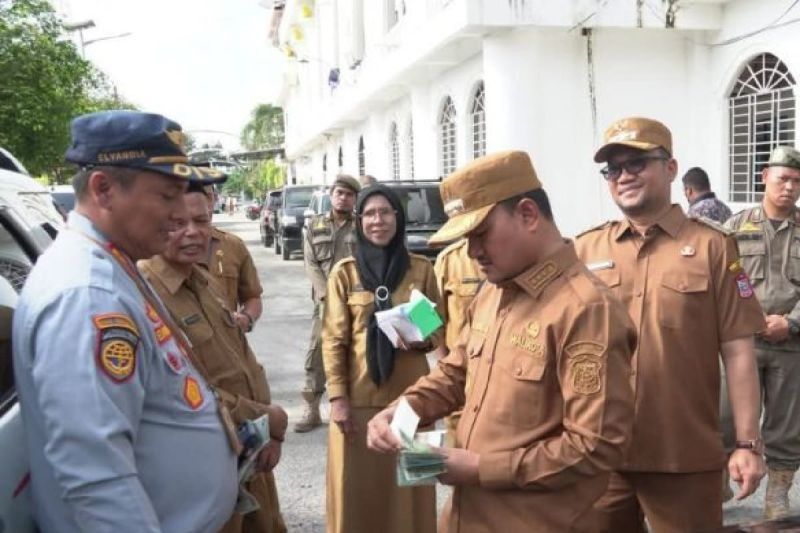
(150, 297)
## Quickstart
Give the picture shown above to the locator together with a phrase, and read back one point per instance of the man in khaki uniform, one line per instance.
(769, 242)
(222, 354)
(329, 239)
(231, 264)
(676, 276)
(459, 279)
(547, 352)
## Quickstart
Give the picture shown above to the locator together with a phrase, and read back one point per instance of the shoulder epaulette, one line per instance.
(713, 224)
(595, 228)
(453, 246)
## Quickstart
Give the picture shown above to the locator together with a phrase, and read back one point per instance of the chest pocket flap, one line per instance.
(685, 282)
(749, 247)
(528, 368)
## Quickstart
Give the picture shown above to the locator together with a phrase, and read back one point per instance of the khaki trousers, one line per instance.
(779, 376)
(315, 370)
(672, 503)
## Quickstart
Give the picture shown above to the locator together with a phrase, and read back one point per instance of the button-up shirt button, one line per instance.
(519, 371)
(474, 408)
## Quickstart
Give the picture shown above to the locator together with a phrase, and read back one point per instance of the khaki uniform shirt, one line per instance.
(231, 264)
(324, 246)
(197, 307)
(771, 257)
(458, 278)
(681, 287)
(549, 408)
(348, 308)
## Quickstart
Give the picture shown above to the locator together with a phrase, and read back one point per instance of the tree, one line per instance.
(265, 128)
(45, 84)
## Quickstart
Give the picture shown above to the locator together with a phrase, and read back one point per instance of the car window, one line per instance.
(15, 266)
(298, 197)
(65, 199)
(326, 204)
(423, 205)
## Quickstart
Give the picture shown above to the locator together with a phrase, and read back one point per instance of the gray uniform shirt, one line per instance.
(771, 258)
(112, 447)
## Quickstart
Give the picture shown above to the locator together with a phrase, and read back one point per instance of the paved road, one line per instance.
(280, 340)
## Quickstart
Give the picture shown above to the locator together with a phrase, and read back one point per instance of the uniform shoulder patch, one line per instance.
(713, 224)
(604, 225)
(117, 341)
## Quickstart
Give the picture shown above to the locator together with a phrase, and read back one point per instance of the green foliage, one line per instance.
(45, 84)
(265, 128)
(255, 180)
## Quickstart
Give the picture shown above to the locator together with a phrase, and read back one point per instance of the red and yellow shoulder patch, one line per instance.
(192, 393)
(117, 341)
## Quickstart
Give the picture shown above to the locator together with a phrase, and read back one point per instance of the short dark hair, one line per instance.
(697, 179)
(537, 195)
(124, 175)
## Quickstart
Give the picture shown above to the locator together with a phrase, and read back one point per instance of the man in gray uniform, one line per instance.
(769, 243)
(123, 432)
(329, 239)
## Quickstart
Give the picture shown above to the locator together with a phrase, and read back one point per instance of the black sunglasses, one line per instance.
(632, 166)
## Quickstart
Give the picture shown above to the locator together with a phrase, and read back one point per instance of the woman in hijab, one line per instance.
(365, 372)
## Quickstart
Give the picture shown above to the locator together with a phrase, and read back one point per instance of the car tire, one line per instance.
(285, 252)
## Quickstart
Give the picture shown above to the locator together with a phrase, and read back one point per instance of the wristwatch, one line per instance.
(754, 445)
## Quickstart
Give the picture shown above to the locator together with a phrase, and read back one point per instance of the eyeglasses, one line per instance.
(631, 166)
(383, 213)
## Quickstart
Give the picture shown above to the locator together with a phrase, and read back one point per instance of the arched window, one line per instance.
(361, 159)
(410, 153)
(478, 112)
(394, 151)
(762, 116)
(447, 137)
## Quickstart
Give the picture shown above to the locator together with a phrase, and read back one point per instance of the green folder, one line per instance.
(422, 314)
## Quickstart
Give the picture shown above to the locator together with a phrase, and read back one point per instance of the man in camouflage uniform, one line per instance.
(769, 243)
(702, 200)
(329, 239)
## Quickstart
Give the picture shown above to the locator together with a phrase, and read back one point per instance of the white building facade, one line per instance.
(412, 89)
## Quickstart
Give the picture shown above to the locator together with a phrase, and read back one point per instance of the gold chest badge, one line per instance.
(527, 339)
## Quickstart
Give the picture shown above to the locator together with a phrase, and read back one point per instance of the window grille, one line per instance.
(361, 159)
(447, 137)
(762, 116)
(410, 137)
(478, 123)
(394, 151)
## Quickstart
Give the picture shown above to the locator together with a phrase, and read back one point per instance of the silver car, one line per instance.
(28, 224)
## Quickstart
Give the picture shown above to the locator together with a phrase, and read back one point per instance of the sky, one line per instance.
(203, 63)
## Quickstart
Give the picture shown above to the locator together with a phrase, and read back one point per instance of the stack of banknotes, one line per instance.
(417, 463)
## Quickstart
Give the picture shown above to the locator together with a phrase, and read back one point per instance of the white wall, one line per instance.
(538, 97)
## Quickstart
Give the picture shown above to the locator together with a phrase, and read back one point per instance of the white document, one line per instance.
(395, 323)
(405, 421)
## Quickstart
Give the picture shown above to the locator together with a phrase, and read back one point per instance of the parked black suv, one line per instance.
(424, 213)
(288, 233)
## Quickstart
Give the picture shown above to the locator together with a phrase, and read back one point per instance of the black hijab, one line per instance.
(381, 269)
